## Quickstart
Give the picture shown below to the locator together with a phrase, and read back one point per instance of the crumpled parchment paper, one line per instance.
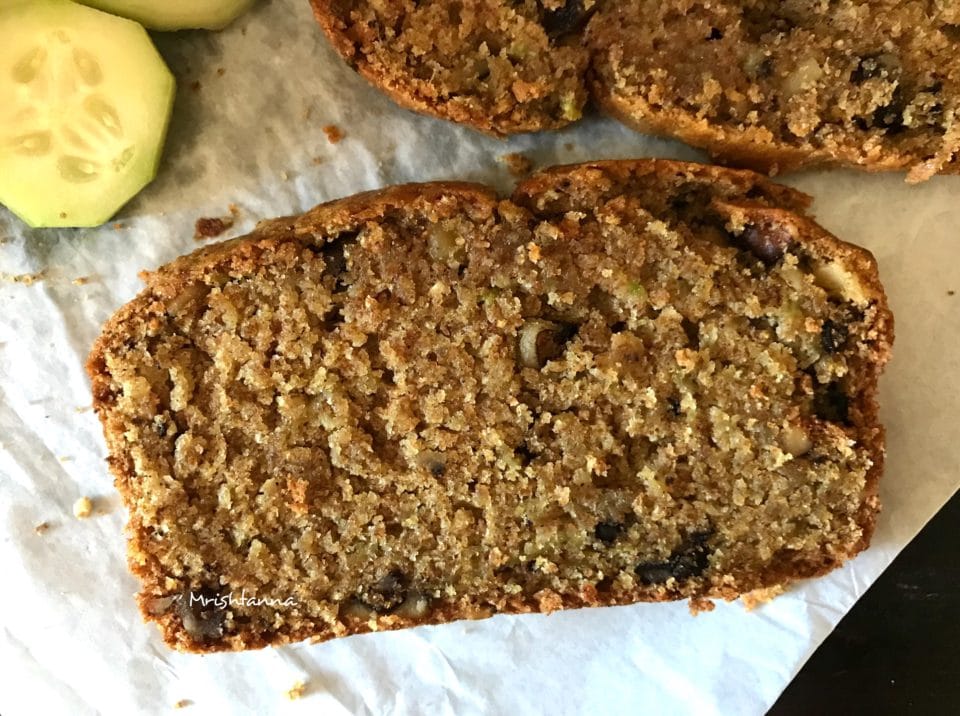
(247, 130)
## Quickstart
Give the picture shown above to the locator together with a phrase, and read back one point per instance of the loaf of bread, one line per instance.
(631, 381)
(767, 85)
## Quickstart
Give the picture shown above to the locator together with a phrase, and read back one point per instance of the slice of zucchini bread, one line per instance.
(632, 381)
(501, 67)
(777, 85)
(767, 84)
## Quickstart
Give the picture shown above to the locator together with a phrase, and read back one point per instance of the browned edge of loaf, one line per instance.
(752, 147)
(165, 284)
(405, 93)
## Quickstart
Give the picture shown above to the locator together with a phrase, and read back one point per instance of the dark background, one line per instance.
(897, 650)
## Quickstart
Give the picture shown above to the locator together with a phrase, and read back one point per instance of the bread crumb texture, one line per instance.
(631, 381)
(27, 279)
(519, 165)
(759, 597)
(210, 227)
(83, 508)
(769, 84)
(334, 133)
(297, 691)
(500, 66)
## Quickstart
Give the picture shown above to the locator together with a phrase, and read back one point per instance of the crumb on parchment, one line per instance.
(83, 508)
(297, 691)
(517, 164)
(698, 605)
(183, 703)
(81, 281)
(42, 528)
(333, 132)
(26, 279)
(759, 597)
(211, 227)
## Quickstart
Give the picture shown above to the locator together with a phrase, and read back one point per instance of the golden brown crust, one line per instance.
(741, 200)
(624, 171)
(754, 149)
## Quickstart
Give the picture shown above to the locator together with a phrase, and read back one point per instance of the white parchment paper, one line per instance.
(250, 134)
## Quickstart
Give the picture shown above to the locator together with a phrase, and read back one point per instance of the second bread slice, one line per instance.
(631, 381)
(771, 86)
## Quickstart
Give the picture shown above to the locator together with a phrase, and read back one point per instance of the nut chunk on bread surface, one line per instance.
(630, 381)
(766, 84)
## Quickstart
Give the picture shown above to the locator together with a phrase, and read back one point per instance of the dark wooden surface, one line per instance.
(898, 650)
